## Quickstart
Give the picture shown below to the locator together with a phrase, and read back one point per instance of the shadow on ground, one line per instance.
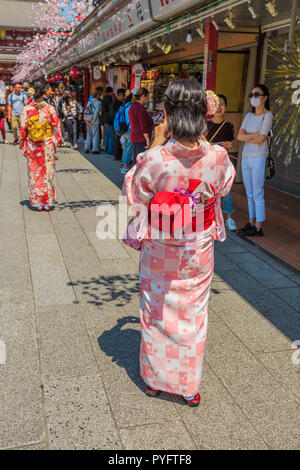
(76, 170)
(122, 345)
(77, 205)
(26, 203)
(105, 289)
(108, 166)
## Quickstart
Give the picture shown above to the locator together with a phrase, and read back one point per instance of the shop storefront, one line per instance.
(282, 76)
(219, 44)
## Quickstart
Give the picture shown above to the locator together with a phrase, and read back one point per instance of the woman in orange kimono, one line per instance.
(40, 135)
(176, 271)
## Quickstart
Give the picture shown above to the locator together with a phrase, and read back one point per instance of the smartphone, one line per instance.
(157, 117)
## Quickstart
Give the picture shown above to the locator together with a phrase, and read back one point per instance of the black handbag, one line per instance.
(270, 164)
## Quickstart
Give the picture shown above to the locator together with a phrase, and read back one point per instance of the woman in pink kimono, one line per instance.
(176, 270)
(40, 135)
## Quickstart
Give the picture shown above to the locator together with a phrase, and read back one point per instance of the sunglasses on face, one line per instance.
(255, 95)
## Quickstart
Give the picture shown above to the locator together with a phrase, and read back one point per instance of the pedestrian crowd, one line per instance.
(183, 160)
(121, 127)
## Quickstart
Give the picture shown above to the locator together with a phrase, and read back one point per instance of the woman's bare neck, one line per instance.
(189, 145)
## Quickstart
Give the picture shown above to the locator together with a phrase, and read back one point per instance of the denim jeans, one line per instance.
(227, 204)
(127, 150)
(253, 171)
(109, 140)
(71, 126)
(92, 137)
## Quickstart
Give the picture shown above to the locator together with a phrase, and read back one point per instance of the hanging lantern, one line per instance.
(75, 72)
(58, 77)
(3, 34)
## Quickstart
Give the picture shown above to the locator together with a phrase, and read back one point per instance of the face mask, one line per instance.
(255, 102)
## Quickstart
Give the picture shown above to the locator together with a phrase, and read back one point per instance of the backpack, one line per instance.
(120, 119)
(89, 111)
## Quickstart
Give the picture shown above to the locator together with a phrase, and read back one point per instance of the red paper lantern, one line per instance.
(75, 72)
(58, 77)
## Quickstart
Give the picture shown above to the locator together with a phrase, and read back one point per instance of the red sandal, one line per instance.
(151, 393)
(194, 402)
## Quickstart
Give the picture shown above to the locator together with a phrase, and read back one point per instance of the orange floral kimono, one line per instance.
(40, 154)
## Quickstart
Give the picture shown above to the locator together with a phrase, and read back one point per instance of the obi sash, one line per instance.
(189, 209)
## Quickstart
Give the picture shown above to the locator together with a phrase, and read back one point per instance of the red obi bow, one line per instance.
(191, 208)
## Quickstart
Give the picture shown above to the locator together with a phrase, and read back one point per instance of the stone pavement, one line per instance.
(69, 320)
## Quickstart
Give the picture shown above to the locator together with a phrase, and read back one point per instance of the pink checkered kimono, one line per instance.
(176, 274)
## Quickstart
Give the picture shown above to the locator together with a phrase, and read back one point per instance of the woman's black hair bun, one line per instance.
(39, 89)
(186, 107)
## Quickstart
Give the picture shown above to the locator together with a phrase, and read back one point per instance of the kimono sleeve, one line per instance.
(57, 137)
(23, 127)
(227, 176)
(138, 185)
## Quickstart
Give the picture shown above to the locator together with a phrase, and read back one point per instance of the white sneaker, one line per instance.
(230, 224)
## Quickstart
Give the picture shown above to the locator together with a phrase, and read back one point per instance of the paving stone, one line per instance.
(237, 279)
(229, 246)
(262, 271)
(21, 419)
(70, 188)
(107, 249)
(51, 284)
(121, 267)
(285, 365)
(40, 446)
(243, 375)
(13, 248)
(265, 302)
(281, 315)
(218, 423)
(279, 423)
(37, 223)
(249, 326)
(78, 415)
(140, 409)
(163, 436)
(44, 249)
(288, 324)
(222, 263)
(65, 348)
(291, 296)
(218, 284)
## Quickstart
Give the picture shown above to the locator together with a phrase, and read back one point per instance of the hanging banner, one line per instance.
(96, 73)
(164, 9)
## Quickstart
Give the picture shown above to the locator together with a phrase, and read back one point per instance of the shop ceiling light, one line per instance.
(215, 24)
(189, 37)
(200, 30)
(271, 7)
(251, 10)
(166, 48)
(229, 20)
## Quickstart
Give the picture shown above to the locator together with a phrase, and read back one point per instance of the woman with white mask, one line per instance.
(254, 133)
